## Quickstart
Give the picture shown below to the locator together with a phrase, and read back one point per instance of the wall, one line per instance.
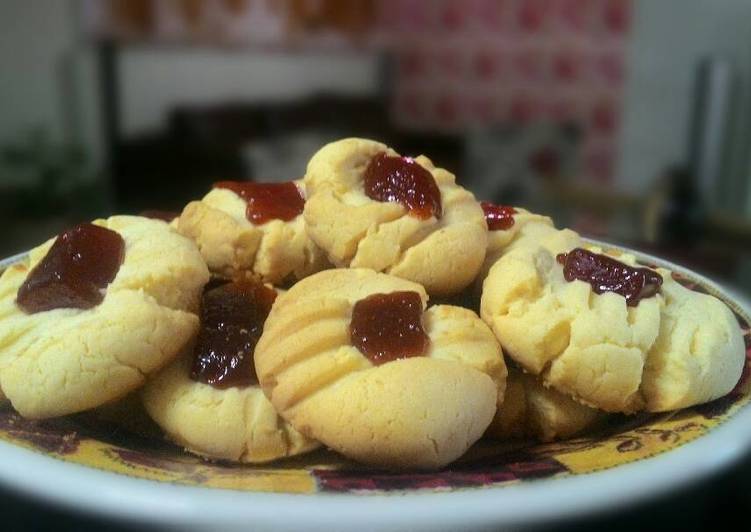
(669, 39)
(49, 76)
(34, 37)
(156, 79)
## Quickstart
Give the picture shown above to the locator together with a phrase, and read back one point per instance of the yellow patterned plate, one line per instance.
(115, 463)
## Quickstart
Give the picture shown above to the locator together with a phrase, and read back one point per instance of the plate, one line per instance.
(98, 463)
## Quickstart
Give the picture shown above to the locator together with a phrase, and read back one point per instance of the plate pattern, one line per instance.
(121, 439)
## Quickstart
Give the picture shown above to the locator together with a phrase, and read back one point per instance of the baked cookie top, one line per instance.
(65, 360)
(237, 423)
(510, 227)
(590, 346)
(209, 399)
(420, 412)
(439, 241)
(511, 224)
(233, 240)
(645, 342)
(699, 352)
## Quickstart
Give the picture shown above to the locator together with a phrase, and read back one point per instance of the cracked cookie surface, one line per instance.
(67, 360)
(443, 254)
(236, 423)
(528, 229)
(699, 353)
(231, 244)
(675, 349)
(419, 412)
(590, 346)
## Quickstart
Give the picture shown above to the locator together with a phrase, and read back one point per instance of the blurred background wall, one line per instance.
(629, 119)
(670, 39)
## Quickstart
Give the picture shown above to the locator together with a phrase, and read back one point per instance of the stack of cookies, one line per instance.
(267, 320)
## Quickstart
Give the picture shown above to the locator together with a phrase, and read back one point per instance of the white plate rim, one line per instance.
(111, 495)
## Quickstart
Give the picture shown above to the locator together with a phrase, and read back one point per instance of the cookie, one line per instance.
(234, 240)
(422, 411)
(510, 227)
(237, 424)
(64, 360)
(610, 333)
(370, 208)
(532, 410)
(590, 346)
(509, 421)
(209, 399)
(699, 352)
(507, 225)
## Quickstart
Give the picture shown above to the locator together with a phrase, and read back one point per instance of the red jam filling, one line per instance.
(232, 318)
(402, 180)
(156, 214)
(267, 201)
(498, 217)
(387, 327)
(75, 271)
(605, 274)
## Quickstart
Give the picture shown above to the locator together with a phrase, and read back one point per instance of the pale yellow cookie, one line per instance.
(589, 346)
(527, 225)
(528, 229)
(231, 244)
(236, 423)
(419, 412)
(510, 421)
(699, 352)
(533, 410)
(66, 360)
(444, 255)
(672, 350)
